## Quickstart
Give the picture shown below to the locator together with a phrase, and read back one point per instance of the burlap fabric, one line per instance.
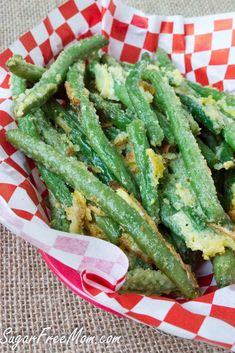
(31, 297)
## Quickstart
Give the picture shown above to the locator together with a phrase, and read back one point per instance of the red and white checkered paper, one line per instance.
(203, 49)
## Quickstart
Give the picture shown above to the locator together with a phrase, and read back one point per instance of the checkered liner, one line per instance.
(204, 50)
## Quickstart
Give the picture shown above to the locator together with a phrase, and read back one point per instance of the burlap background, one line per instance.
(31, 297)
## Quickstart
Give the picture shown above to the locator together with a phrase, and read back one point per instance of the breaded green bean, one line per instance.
(18, 86)
(229, 193)
(208, 154)
(225, 101)
(109, 227)
(77, 176)
(79, 97)
(27, 125)
(203, 110)
(67, 119)
(229, 133)
(224, 268)
(189, 257)
(165, 126)
(205, 114)
(181, 213)
(18, 66)
(58, 216)
(112, 111)
(55, 75)
(52, 137)
(148, 282)
(142, 107)
(137, 262)
(197, 168)
(110, 81)
(148, 182)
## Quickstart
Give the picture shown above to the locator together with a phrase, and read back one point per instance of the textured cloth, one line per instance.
(31, 297)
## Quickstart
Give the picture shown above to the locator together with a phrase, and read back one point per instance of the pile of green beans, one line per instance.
(135, 155)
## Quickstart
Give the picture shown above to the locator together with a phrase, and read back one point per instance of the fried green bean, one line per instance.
(229, 133)
(67, 119)
(147, 180)
(112, 111)
(148, 282)
(203, 110)
(225, 101)
(142, 107)
(79, 98)
(30, 72)
(229, 193)
(55, 75)
(110, 81)
(224, 268)
(27, 125)
(165, 126)
(77, 176)
(109, 227)
(52, 137)
(137, 262)
(189, 257)
(18, 86)
(181, 213)
(197, 168)
(205, 114)
(208, 154)
(58, 216)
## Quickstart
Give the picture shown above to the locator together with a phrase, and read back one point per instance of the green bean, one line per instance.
(195, 128)
(122, 94)
(229, 133)
(112, 111)
(137, 262)
(203, 110)
(229, 193)
(219, 96)
(224, 268)
(208, 154)
(58, 216)
(173, 74)
(52, 137)
(165, 126)
(77, 176)
(79, 98)
(206, 115)
(18, 66)
(225, 156)
(182, 214)
(18, 86)
(223, 104)
(189, 257)
(52, 181)
(112, 133)
(148, 282)
(27, 125)
(110, 81)
(147, 180)
(109, 60)
(224, 153)
(197, 168)
(68, 121)
(109, 227)
(211, 140)
(142, 107)
(119, 87)
(55, 75)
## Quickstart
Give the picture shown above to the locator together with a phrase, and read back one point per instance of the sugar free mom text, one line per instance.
(78, 337)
